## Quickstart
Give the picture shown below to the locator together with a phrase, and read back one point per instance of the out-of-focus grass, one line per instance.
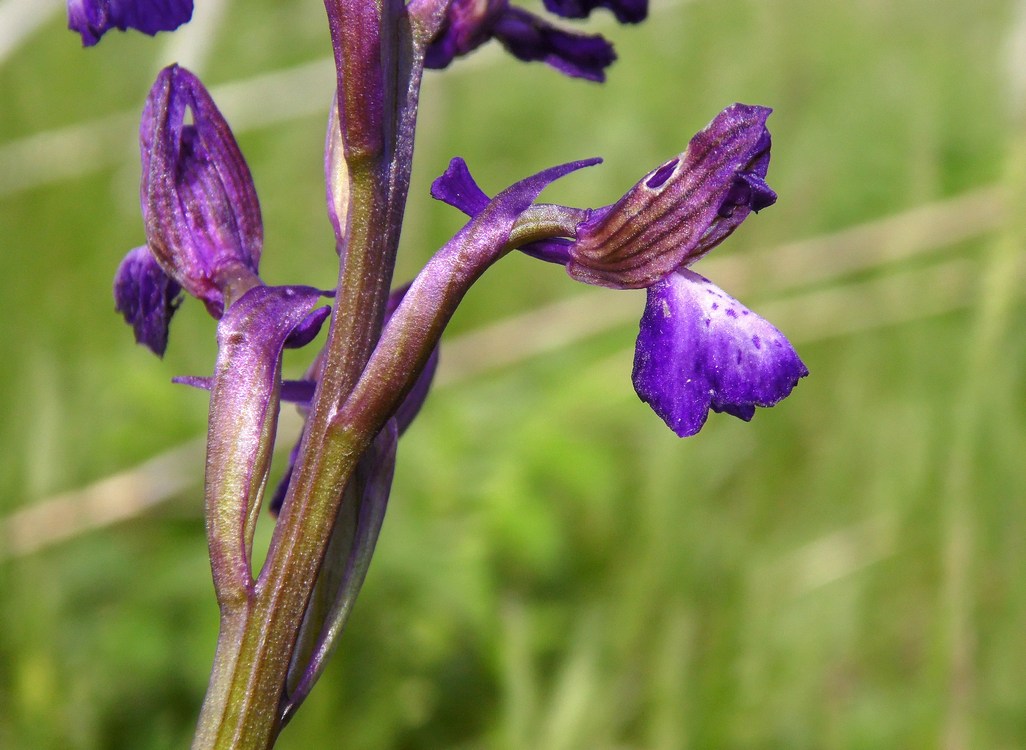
(557, 570)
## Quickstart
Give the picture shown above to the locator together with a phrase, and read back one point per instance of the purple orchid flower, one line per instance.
(93, 18)
(203, 226)
(471, 23)
(698, 348)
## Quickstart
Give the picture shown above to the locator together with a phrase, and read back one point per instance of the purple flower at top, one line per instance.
(625, 11)
(698, 348)
(471, 23)
(93, 18)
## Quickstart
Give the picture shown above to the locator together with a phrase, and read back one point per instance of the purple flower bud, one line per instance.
(626, 11)
(93, 18)
(199, 203)
(471, 23)
(681, 210)
(146, 297)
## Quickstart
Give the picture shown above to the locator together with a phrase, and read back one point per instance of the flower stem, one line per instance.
(258, 635)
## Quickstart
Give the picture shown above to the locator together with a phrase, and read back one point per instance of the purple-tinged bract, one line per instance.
(146, 297)
(93, 18)
(699, 348)
(681, 210)
(199, 203)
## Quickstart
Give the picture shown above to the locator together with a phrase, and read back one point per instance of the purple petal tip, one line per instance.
(456, 186)
(147, 298)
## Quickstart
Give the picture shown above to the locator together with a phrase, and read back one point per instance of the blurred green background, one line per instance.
(557, 570)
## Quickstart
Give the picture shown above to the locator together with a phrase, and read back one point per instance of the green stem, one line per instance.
(252, 660)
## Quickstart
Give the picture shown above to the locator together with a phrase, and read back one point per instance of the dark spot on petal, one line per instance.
(715, 305)
(662, 174)
(757, 342)
(732, 312)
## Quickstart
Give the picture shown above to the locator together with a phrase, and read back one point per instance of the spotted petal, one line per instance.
(699, 348)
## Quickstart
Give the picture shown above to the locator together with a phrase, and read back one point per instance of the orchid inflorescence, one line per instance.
(697, 349)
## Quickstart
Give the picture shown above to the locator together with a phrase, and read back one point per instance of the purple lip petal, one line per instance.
(625, 11)
(93, 18)
(200, 206)
(681, 210)
(146, 297)
(699, 348)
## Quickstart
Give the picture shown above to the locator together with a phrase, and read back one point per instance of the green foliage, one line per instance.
(557, 570)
